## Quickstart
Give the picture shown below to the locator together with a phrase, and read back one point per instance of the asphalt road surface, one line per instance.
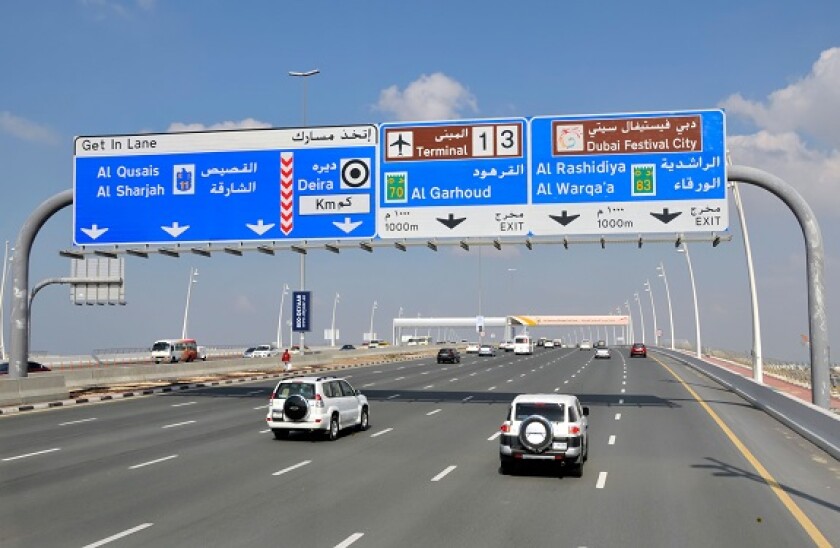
(675, 460)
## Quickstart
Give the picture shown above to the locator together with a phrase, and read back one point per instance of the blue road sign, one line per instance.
(450, 178)
(301, 311)
(249, 185)
(654, 172)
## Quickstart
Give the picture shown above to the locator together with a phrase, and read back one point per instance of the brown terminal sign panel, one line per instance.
(454, 142)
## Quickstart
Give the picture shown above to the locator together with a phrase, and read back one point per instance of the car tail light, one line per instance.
(574, 430)
(318, 401)
(505, 428)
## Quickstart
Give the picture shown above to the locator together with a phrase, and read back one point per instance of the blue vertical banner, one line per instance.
(301, 311)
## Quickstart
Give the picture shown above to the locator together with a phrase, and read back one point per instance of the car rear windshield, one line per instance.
(555, 412)
(285, 390)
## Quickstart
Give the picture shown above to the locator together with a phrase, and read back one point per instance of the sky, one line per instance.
(104, 67)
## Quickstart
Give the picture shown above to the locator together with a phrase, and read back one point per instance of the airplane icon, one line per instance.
(400, 143)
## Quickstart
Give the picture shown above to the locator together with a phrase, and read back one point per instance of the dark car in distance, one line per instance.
(448, 355)
(33, 367)
(638, 349)
(348, 347)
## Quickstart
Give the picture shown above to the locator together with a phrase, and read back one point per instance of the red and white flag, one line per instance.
(287, 192)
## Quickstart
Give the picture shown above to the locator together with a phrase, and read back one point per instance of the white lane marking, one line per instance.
(453, 380)
(399, 378)
(522, 375)
(377, 371)
(565, 382)
(381, 432)
(491, 388)
(574, 375)
(7, 459)
(612, 441)
(618, 416)
(602, 480)
(468, 398)
(392, 396)
(290, 468)
(141, 465)
(472, 374)
(261, 407)
(400, 368)
(118, 536)
(443, 474)
(424, 373)
(510, 380)
(622, 391)
(266, 431)
(557, 389)
(368, 385)
(185, 403)
(623, 382)
(621, 401)
(532, 371)
(349, 540)
(177, 424)
(77, 422)
(430, 413)
(428, 386)
(494, 436)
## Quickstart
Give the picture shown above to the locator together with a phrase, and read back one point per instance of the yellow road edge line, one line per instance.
(806, 523)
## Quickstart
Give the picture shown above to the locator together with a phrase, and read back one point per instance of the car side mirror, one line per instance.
(585, 411)
(357, 392)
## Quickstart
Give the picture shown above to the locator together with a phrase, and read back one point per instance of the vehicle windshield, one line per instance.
(161, 345)
(295, 388)
(555, 412)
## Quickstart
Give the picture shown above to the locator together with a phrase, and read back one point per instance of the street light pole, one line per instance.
(370, 333)
(193, 275)
(6, 261)
(649, 289)
(684, 249)
(399, 340)
(661, 269)
(641, 315)
(279, 339)
(305, 76)
(332, 325)
(632, 333)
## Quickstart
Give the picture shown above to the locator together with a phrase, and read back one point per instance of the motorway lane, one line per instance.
(221, 490)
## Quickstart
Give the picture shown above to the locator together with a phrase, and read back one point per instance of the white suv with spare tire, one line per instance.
(309, 404)
(545, 427)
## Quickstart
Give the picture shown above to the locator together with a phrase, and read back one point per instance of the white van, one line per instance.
(523, 344)
(174, 350)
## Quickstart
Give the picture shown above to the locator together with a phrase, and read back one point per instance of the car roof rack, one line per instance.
(326, 377)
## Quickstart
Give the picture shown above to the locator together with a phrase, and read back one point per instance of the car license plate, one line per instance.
(559, 445)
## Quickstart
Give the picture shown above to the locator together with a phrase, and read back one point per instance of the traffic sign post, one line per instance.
(628, 173)
(453, 179)
(244, 185)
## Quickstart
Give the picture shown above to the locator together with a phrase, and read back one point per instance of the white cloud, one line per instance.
(118, 7)
(247, 123)
(242, 303)
(26, 130)
(430, 97)
(803, 110)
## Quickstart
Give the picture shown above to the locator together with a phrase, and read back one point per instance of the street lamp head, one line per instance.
(312, 72)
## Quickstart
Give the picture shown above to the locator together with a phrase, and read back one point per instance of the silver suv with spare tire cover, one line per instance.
(316, 404)
(545, 427)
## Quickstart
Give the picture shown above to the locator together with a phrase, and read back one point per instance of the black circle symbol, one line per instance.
(355, 173)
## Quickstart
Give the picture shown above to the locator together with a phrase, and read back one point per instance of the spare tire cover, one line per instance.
(295, 407)
(535, 433)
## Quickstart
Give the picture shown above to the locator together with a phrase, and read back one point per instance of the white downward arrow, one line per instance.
(347, 226)
(260, 228)
(94, 231)
(175, 230)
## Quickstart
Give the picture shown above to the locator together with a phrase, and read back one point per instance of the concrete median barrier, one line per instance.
(36, 388)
